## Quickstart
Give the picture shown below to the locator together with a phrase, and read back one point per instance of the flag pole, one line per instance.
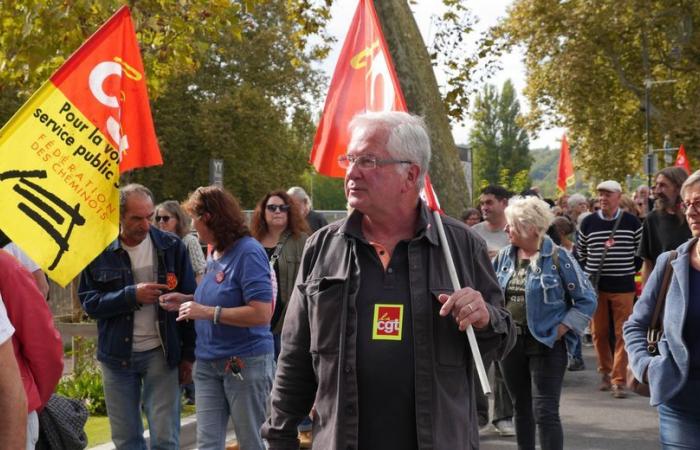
(473, 346)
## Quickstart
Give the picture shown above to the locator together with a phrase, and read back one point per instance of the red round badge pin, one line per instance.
(219, 277)
(171, 281)
(610, 242)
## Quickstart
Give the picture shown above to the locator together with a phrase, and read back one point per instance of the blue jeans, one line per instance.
(575, 351)
(679, 418)
(150, 376)
(219, 394)
(534, 375)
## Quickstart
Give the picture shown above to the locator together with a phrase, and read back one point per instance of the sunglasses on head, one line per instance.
(163, 219)
(281, 208)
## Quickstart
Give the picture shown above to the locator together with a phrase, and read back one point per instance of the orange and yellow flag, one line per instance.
(62, 153)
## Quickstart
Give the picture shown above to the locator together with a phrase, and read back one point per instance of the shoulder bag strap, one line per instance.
(656, 326)
(278, 249)
(606, 248)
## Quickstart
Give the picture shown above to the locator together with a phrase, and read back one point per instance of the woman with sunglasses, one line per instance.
(279, 225)
(171, 218)
(673, 369)
(231, 309)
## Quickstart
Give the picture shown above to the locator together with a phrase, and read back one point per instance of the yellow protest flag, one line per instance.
(62, 153)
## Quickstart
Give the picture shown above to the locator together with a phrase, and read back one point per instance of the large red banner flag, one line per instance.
(565, 175)
(682, 159)
(62, 153)
(364, 80)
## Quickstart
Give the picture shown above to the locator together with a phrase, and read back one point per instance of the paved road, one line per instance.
(594, 420)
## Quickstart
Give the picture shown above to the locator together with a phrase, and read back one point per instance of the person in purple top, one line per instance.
(232, 308)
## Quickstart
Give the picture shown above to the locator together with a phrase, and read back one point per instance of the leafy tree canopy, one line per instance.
(587, 62)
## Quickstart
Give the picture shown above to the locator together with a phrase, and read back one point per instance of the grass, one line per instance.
(98, 431)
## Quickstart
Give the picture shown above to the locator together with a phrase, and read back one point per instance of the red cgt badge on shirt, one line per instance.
(219, 277)
(387, 323)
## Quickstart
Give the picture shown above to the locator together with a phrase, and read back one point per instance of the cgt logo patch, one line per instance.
(387, 322)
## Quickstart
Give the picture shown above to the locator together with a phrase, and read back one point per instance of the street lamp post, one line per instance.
(649, 150)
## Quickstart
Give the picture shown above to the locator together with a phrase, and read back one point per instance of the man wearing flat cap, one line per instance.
(606, 246)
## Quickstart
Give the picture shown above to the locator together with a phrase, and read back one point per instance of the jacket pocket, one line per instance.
(552, 289)
(108, 279)
(325, 303)
(450, 343)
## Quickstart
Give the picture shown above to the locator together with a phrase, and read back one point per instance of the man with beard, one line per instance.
(665, 227)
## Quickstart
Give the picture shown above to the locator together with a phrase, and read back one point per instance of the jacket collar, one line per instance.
(425, 227)
(681, 266)
(546, 248)
(161, 240)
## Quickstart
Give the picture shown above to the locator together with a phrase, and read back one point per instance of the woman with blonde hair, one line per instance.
(549, 298)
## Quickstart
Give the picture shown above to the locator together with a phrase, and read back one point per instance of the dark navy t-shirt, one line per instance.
(385, 362)
(691, 328)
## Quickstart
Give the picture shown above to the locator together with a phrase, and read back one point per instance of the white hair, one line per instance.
(300, 195)
(530, 211)
(406, 136)
(694, 178)
(575, 200)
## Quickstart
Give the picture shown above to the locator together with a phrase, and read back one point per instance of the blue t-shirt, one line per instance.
(241, 274)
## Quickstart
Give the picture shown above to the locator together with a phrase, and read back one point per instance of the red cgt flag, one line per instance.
(682, 159)
(364, 80)
(104, 79)
(565, 176)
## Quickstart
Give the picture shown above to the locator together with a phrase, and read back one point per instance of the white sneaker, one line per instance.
(505, 427)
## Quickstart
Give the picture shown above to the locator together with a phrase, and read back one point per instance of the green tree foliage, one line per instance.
(499, 143)
(228, 80)
(248, 104)
(587, 62)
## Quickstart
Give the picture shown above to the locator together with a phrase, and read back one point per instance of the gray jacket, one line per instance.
(668, 371)
(316, 365)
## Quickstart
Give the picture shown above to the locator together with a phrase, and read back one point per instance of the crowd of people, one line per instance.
(352, 335)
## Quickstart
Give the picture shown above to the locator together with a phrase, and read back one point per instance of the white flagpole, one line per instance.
(473, 346)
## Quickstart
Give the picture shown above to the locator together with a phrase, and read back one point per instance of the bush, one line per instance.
(85, 383)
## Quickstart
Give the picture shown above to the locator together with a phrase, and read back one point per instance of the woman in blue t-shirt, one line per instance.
(232, 307)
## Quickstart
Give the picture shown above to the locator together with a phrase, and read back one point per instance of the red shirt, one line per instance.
(36, 341)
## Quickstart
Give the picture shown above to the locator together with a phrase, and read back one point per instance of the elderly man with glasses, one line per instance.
(374, 335)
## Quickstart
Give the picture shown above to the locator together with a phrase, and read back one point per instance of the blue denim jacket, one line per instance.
(668, 371)
(108, 294)
(545, 300)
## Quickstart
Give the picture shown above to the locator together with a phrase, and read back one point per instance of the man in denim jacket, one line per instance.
(140, 345)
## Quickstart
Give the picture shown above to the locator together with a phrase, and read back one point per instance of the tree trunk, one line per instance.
(419, 86)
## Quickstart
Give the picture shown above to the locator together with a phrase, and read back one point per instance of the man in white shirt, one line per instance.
(493, 201)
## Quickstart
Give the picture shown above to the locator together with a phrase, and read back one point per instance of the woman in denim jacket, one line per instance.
(674, 374)
(550, 299)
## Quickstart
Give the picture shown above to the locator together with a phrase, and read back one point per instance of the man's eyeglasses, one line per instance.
(695, 205)
(163, 219)
(367, 162)
(280, 208)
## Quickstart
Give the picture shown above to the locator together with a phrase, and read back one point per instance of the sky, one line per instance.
(488, 12)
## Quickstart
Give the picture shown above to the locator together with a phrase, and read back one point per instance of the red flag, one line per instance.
(682, 159)
(565, 176)
(104, 79)
(364, 80)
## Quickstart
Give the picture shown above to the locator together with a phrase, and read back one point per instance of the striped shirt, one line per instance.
(620, 264)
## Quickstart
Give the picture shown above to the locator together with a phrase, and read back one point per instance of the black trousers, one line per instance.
(534, 374)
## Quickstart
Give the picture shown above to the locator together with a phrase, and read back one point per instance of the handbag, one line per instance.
(655, 330)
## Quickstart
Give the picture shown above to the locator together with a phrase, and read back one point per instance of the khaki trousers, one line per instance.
(619, 305)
